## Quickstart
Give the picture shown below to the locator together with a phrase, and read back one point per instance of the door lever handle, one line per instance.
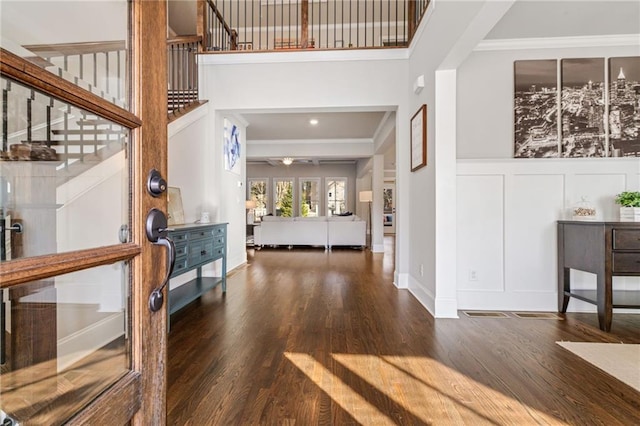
(156, 299)
(156, 228)
(16, 227)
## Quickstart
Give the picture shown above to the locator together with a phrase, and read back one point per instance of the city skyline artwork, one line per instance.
(589, 117)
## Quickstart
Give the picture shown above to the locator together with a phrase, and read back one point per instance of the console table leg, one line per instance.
(564, 287)
(605, 302)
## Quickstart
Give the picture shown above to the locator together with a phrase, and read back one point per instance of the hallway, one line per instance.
(310, 337)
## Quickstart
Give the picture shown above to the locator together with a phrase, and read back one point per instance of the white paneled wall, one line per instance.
(506, 218)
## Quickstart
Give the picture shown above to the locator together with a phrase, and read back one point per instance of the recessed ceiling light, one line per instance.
(313, 121)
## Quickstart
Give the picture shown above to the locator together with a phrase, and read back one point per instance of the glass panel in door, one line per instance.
(389, 208)
(283, 197)
(72, 40)
(259, 195)
(80, 324)
(309, 197)
(64, 177)
(336, 196)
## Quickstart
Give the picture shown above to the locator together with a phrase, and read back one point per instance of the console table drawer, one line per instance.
(179, 237)
(179, 266)
(626, 239)
(181, 249)
(200, 252)
(218, 240)
(198, 235)
(626, 263)
(218, 252)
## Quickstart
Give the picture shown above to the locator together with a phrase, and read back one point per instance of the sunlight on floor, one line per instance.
(415, 383)
(354, 404)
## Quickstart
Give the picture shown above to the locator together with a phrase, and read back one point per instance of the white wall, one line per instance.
(449, 31)
(196, 166)
(506, 226)
(485, 91)
(346, 80)
(473, 116)
(508, 208)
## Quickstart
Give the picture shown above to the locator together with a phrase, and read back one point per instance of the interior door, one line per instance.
(389, 210)
(80, 344)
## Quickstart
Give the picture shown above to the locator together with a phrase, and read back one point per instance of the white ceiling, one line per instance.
(295, 126)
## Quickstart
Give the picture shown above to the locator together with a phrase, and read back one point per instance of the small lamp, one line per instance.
(367, 197)
(250, 205)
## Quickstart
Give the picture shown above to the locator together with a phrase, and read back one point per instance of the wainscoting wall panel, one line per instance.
(480, 200)
(506, 226)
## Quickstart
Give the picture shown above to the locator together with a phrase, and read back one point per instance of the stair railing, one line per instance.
(99, 67)
(182, 68)
(216, 33)
(308, 24)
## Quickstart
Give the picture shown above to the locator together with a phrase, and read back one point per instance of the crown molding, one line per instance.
(309, 141)
(312, 55)
(559, 42)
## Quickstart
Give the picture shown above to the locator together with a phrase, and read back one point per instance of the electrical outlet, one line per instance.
(473, 275)
(421, 270)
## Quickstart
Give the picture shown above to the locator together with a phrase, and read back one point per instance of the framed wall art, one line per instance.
(582, 107)
(624, 107)
(174, 206)
(535, 108)
(419, 139)
(577, 107)
(232, 147)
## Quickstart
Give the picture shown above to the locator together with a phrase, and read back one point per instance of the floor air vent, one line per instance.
(538, 315)
(485, 314)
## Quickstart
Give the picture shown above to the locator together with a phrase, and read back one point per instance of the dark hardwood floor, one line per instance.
(309, 337)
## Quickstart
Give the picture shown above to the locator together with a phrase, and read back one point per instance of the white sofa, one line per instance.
(310, 231)
(346, 231)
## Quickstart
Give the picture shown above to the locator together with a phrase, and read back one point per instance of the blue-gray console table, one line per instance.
(197, 245)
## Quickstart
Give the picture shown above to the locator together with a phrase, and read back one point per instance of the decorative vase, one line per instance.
(629, 214)
(584, 210)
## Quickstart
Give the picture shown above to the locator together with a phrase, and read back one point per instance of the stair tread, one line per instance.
(89, 132)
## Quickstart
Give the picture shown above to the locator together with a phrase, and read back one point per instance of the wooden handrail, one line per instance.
(343, 24)
(20, 271)
(25, 72)
(66, 49)
(185, 39)
(226, 26)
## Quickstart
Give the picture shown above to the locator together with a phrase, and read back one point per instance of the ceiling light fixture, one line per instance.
(313, 121)
(287, 161)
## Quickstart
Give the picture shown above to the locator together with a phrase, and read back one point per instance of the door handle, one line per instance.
(156, 228)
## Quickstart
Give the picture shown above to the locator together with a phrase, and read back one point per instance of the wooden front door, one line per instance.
(79, 342)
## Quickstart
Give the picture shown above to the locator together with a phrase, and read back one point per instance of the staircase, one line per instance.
(46, 131)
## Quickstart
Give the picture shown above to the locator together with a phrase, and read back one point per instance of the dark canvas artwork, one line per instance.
(624, 106)
(582, 107)
(536, 108)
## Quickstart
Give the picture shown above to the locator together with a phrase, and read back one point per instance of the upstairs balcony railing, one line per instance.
(228, 25)
(100, 67)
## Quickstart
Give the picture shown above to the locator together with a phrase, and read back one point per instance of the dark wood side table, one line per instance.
(606, 249)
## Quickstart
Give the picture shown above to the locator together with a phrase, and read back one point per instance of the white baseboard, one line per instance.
(424, 296)
(446, 308)
(401, 280)
(82, 343)
(377, 248)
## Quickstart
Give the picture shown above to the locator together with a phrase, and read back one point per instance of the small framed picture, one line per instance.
(245, 45)
(174, 206)
(419, 139)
